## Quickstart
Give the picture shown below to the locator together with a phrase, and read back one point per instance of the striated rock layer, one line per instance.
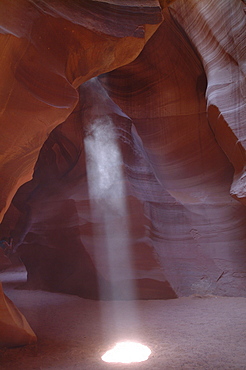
(172, 118)
(220, 42)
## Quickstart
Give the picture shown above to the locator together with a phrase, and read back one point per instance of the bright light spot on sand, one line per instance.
(127, 352)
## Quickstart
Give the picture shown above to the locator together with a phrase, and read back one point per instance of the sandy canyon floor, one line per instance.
(73, 333)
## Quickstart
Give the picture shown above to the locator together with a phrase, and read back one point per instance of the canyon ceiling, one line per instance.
(164, 83)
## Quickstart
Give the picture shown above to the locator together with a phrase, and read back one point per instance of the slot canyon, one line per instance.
(123, 184)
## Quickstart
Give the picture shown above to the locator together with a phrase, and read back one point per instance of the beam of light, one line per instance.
(127, 352)
(108, 205)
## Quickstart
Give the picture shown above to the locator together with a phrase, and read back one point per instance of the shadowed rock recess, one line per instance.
(165, 80)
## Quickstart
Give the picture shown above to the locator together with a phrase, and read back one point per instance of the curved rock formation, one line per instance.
(47, 52)
(177, 116)
(15, 330)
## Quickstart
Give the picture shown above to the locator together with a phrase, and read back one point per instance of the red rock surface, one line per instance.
(176, 113)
